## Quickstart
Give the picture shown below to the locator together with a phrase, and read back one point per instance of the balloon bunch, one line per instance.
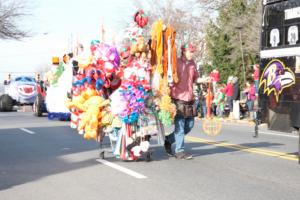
(103, 69)
(90, 90)
(103, 52)
(141, 18)
(134, 94)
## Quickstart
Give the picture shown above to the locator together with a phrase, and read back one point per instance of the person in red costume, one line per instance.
(215, 78)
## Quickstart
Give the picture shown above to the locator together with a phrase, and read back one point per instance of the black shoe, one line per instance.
(168, 148)
(183, 155)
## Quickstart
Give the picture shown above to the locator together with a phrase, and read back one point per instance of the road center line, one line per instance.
(122, 169)
(245, 148)
(27, 131)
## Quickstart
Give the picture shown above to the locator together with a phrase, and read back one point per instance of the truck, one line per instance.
(279, 84)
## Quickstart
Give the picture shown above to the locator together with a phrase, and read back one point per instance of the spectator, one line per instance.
(7, 80)
(38, 78)
(236, 98)
(250, 92)
(220, 100)
(196, 91)
(202, 98)
(209, 100)
(228, 90)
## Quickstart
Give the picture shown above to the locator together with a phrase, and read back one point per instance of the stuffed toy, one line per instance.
(141, 18)
(142, 148)
(157, 45)
(78, 101)
(167, 110)
(140, 49)
(133, 32)
(125, 56)
(90, 118)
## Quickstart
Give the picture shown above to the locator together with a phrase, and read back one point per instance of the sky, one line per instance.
(57, 24)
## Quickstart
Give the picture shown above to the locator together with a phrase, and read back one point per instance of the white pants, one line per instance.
(236, 109)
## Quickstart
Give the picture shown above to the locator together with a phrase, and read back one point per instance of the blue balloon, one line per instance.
(89, 80)
(99, 84)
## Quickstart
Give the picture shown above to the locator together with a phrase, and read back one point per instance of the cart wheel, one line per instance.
(101, 155)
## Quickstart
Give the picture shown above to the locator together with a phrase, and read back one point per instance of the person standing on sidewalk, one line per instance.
(7, 80)
(182, 94)
(251, 97)
(203, 96)
(236, 98)
(228, 90)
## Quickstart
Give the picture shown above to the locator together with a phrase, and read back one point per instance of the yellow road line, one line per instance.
(244, 148)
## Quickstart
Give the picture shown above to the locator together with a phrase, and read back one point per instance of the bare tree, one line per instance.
(12, 12)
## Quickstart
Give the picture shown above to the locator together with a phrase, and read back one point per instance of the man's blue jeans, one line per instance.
(182, 127)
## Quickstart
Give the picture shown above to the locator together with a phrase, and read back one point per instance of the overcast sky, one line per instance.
(54, 22)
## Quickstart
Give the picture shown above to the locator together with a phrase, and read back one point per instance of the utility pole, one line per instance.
(242, 50)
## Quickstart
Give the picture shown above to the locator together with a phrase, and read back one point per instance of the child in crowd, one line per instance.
(220, 101)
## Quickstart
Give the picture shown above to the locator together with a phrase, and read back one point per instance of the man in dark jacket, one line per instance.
(236, 98)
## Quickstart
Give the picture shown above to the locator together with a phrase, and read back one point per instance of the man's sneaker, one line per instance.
(168, 148)
(183, 155)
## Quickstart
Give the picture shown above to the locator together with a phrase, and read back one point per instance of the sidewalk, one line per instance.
(247, 122)
(235, 121)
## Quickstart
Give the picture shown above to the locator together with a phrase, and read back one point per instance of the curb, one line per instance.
(233, 121)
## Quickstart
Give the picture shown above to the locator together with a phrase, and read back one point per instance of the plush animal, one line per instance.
(167, 110)
(141, 18)
(143, 147)
(78, 101)
(140, 48)
(90, 118)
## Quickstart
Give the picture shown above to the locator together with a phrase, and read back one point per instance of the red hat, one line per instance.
(187, 46)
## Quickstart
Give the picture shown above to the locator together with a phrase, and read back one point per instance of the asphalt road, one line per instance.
(41, 159)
